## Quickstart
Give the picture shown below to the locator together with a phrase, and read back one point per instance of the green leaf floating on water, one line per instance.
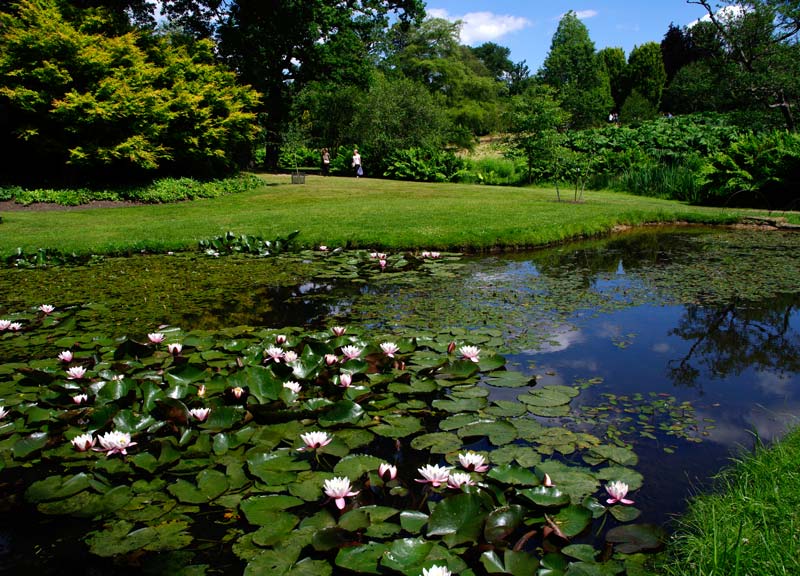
(437, 442)
(362, 559)
(546, 496)
(630, 539)
(256, 508)
(210, 485)
(56, 487)
(120, 538)
(572, 520)
(499, 432)
(397, 426)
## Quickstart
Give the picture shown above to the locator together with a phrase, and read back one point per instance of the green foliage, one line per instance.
(765, 166)
(677, 182)
(637, 109)
(646, 73)
(493, 171)
(161, 190)
(576, 72)
(90, 105)
(423, 165)
(617, 69)
(230, 243)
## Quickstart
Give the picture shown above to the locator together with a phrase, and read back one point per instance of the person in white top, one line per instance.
(357, 163)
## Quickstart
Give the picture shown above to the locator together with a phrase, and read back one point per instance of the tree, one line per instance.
(430, 54)
(573, 69)
(396, 114)
(646, 72)
(85, 105)
(617, 68)
(496, 59)
(676, 50)
(536, 125)
(760, 52)
(280, 46)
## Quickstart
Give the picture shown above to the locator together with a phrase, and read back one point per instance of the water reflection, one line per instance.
(707, 317)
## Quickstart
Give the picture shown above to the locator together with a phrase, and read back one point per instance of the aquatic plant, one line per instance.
(215, 441)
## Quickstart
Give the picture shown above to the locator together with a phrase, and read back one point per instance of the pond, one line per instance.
(655, 354)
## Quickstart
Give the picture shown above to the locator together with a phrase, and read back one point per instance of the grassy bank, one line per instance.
(750, 525)
(349, 212)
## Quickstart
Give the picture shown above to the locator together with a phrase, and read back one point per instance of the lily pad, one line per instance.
(630, 539)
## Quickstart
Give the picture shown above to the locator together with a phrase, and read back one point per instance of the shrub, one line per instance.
(423, 165)
(661, 181)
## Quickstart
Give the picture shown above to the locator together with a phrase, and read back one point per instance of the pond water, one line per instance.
(684, 343)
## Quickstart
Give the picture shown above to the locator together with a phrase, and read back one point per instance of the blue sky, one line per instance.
(527, 26)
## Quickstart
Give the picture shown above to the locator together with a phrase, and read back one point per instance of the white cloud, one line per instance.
(479, 27)
(584, 14)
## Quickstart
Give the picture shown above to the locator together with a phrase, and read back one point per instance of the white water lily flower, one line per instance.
(338, 489)
(15, 326)
(3, 412)
(458, 479)
(293, 386)
(47, 308)
(80, 398)
(200, 413)
(473, 462)
(436, 571)
(274, 353)
(76, 373)
(470, 353)
(115, 443)
(156, 337)
(174, 348)
(617, 490)
(389, 348)
(338, 330)
(351, 352)
(387, 471)
(83, 442)
(314, 440)
(290, 356)
(434, 474)
(65, 356)
(4, 324)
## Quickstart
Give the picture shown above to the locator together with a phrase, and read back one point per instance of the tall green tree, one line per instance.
(646, 73)
(574, 70)
(617, 69)
(280, 46)
(80, 104)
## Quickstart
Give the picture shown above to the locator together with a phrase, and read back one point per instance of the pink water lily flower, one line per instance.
(274, 353)
(617, 490)
(434, 255)
(323, 248)
(473, 462)
(387, 471)
(345, 380)
(434, 474)
(290, 356)
(65, 356)
(3, 412)
(338, 330)
(175, 348)
(83, 442)
(47, 308)
(338, 489)
(80, 398)
(15, 326)
(547, 481)
(382, 263)
(351, 352)
(280, 339)
(200, 413)
(314, 440)
(4, 324)
(156, 337)
(293, 386)
(331, 359)
(237, 392)
(458, 479)
(389, 348)
(115, 443)
(76, 373)
(470, 353)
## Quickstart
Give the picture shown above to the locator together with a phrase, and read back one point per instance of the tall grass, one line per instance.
(750, 525)
(661, 181)
(493, 170)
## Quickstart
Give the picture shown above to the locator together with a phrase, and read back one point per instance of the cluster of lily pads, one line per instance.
(310, 451)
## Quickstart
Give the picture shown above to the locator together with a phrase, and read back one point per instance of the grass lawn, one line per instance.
(350, 212)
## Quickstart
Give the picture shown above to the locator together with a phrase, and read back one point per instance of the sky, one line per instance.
(527, 26)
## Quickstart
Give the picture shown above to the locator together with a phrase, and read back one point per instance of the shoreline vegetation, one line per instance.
(363, 213)
(748, 525)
